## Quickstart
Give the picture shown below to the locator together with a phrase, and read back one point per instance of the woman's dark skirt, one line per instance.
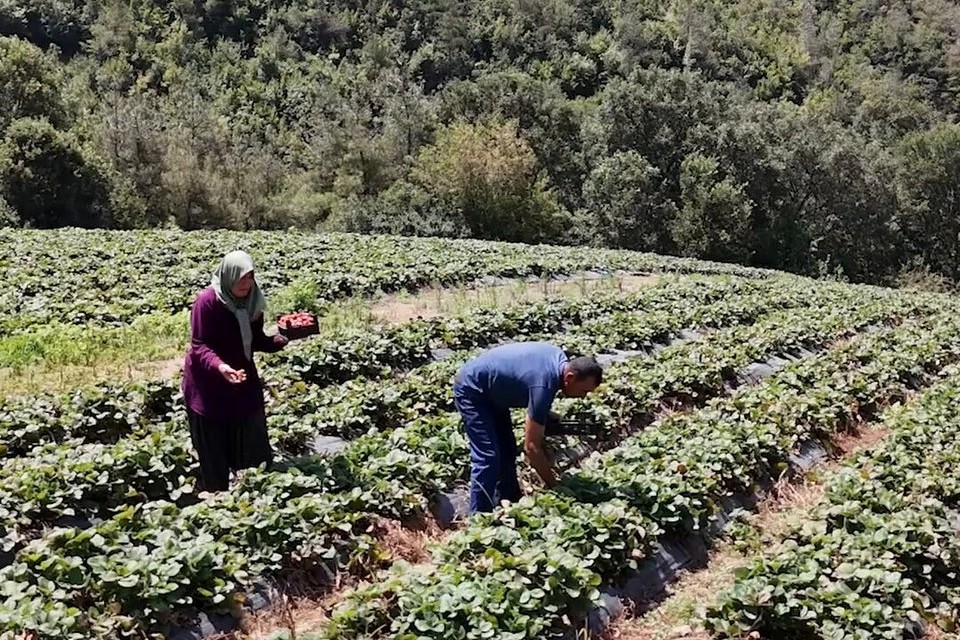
(228, 445)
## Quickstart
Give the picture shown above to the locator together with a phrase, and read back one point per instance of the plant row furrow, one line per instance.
(353, 408)
(91, 479)
(107, 412)
(531, 569)
(430, 452)
(879, 557)
(101, 277)
(75, 479)
(382, 352)
(120, 573)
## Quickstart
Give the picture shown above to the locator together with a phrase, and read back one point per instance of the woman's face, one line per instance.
(243, 286)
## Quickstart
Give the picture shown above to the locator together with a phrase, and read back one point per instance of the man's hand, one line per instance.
(280, 340)
(533, 447)
(231, 375)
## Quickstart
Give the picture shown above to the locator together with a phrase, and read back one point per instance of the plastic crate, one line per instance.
(295, 326)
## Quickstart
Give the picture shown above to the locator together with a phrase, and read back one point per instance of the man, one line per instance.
(524, 374)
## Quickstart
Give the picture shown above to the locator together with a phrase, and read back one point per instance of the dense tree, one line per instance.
(8, 217)
(60, 23)
(928, 174)
(489, 175)
(626, 194)
(805, 135)
(714, 220)
(29, 83)
(48, 181)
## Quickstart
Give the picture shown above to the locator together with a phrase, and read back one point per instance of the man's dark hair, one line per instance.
(586, 367)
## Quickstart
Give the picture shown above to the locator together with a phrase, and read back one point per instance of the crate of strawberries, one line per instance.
(298, 325)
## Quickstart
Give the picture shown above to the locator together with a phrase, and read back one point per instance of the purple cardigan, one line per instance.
(215, 339)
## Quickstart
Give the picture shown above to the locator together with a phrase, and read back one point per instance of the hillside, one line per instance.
(812, 136)
(723, 388)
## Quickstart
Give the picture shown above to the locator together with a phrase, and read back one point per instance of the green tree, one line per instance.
(549, 122)
(714, 221)
(62, 23)
(488, 175)
(29, 84)
(654, 112)
(928, 181)
(626, 202)
(48, 180)
(8, 216)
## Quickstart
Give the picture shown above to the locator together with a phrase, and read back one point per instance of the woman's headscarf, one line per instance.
(234, 266)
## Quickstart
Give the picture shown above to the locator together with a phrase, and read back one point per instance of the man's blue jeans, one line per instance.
(493, 450)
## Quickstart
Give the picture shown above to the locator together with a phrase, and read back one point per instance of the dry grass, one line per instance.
(676, 617)
(49, 379)
(295, 615)
(434, 302)
(405, 543)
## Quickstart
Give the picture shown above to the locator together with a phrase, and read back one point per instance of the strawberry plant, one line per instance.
(101, 278)
(531, 569)
(879, 557)
(671, 477)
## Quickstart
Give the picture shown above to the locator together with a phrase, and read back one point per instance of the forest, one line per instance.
(815, 136)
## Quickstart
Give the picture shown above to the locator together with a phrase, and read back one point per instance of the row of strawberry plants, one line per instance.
(529, 569)
(488, 326)
(93, 479)
(355, 407)
(880, 555)
(114, 572)
(101, 276)
(153, 567)
(381, 352)
(104, 413)
(430, 453)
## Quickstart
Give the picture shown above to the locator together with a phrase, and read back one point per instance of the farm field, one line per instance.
(89, 301)
(721, 383)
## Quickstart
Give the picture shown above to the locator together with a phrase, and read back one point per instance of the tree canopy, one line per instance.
(814, 136)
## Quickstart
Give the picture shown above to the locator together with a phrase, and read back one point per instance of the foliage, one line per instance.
(375, 117)
(119, 456)
(8, 216)
(112, 278)
(929, 172)
(29, 83)
(489, 176)
(669, 478)
(878, 557)
(47, 179)
(626, 192)
(714, 221)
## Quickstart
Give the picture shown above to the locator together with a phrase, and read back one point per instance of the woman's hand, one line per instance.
(280, 340)
(232, 375)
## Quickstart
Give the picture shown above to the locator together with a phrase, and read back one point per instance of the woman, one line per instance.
(221, 386)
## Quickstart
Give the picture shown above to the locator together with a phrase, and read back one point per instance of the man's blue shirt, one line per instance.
(522, 374)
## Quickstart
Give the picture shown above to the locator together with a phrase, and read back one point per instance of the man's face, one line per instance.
(577, 388)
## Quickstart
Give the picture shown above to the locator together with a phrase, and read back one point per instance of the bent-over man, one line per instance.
(523, 374)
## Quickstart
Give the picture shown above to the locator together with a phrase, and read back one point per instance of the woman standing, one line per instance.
(221, 386)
